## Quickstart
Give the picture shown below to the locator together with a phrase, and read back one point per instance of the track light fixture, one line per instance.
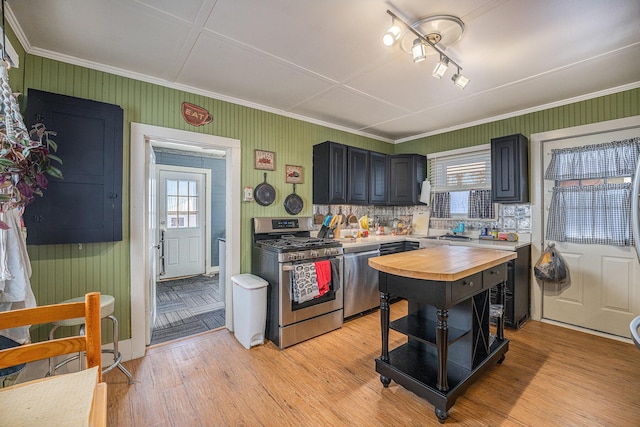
(418, 48)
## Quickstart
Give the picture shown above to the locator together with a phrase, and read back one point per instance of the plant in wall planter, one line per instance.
(25, 162)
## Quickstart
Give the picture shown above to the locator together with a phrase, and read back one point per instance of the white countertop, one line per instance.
(523, 240)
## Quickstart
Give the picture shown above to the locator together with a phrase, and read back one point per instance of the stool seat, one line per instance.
(107, 307)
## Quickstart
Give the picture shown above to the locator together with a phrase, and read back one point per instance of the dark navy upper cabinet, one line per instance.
(406, 173)
(357, 176)
(85, 206)
(510, 169)
(329, 173)
(377, 178)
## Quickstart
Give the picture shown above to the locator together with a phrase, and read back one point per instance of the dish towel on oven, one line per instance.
(304, 282)
(323, 274)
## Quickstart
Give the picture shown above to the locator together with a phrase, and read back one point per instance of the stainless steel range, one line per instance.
(287, 257)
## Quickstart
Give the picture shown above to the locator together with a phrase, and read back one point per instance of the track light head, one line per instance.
(441, 67)
(460, 80)
(418, 51)
(392, 34)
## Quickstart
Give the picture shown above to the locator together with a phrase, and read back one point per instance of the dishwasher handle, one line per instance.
(361, 254)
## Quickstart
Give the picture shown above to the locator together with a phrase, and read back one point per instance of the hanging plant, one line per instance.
(24, 164)
(25, 157)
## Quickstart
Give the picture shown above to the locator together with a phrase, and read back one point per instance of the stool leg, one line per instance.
(116, 353)
(51, 370)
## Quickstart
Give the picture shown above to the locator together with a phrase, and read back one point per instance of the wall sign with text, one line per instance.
(195, 115)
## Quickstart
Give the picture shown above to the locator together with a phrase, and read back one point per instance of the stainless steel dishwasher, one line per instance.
(361, 292)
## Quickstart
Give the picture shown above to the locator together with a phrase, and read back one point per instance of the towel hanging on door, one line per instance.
(304, 282)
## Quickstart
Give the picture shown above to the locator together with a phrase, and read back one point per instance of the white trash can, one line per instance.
(249, 309)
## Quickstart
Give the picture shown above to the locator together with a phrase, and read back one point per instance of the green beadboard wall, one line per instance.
(65, 271)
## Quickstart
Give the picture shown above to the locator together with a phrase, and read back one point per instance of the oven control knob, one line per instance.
(314, 254)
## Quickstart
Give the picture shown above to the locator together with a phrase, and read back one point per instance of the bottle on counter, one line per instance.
(494, 233)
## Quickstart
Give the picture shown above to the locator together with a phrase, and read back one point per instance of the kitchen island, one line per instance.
(448, 340)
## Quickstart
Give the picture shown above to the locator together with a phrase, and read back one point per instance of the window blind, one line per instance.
(470, 171)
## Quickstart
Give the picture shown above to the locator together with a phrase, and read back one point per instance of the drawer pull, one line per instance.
(465, 283)
(494, 272)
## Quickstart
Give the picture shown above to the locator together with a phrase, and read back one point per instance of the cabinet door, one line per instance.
(377, 178)
(329, 173)
(358, 176)
(510, 169)
(406, 172)
(85, 206)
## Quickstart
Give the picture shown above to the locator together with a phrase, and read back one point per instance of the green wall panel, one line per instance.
(65, 271)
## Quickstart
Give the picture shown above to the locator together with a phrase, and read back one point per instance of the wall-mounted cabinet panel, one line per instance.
(329, 173)
(85, 206)
(510, 169)
(405, 175)
(377, 178)
(357, 176)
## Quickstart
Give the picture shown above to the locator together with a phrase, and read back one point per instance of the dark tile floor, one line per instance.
(186, 307)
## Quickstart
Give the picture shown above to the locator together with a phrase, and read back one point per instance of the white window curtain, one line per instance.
(595, 214)
(592, 214)
(611, 159)
(480, 205)
(441, 207)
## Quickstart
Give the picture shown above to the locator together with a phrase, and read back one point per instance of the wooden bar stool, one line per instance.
(107, 307)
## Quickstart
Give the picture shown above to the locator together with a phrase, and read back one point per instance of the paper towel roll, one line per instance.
(425, 194)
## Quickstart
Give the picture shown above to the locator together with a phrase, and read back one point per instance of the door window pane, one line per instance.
(182, 203)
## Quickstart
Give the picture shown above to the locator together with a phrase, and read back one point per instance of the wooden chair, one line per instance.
(90, 342)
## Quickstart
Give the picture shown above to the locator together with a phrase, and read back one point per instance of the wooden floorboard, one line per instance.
(552, 376)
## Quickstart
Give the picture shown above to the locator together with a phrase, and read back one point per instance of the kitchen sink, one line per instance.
(453, 237)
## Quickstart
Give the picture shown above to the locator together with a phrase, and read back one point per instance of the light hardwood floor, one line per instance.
(551, 377)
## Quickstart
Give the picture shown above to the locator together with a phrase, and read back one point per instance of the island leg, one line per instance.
(384, 327)
(502, 293)
(442, 336)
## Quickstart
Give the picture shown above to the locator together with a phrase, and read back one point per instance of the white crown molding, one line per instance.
(535, 109)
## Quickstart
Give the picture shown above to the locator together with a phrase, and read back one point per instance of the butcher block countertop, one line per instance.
(441, 263)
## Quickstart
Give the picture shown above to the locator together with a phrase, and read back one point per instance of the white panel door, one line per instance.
(182, 218)
(603, 292)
